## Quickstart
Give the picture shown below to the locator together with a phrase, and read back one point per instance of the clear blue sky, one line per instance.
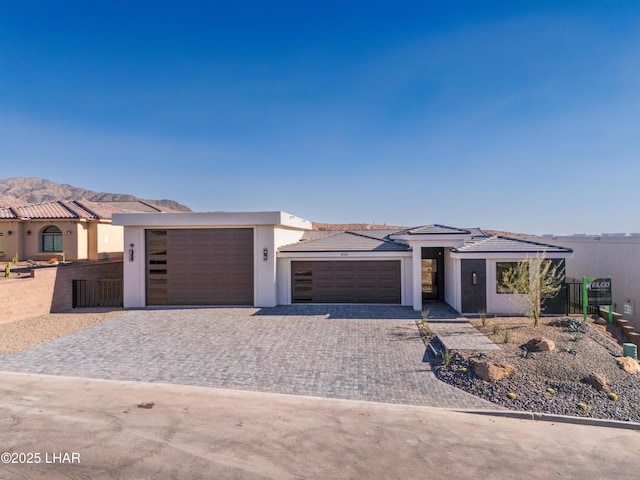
(522, 116)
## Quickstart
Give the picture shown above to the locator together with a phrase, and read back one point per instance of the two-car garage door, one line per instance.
(215, 266)
(352, 281)
(211, 266)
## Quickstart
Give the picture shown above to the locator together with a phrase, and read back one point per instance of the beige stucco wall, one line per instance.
(31, 238)
(105, 239)
(12, 244)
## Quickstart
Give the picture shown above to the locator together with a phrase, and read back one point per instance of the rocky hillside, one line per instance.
(22, 190)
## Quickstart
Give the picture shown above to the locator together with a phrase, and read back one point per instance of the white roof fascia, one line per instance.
(343, 255)
(209, 219)
(509, 255)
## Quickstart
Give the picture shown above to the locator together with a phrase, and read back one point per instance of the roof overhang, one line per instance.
(371, 255)
(210, 219)
(509, 255)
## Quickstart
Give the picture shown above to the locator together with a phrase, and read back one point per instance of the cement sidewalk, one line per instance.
(198, 433)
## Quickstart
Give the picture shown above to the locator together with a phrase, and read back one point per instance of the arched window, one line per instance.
(52, 239)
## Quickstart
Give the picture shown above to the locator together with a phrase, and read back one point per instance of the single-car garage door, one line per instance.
(362, 281)
(211, 266)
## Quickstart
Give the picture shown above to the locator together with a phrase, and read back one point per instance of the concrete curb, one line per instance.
(547, 417)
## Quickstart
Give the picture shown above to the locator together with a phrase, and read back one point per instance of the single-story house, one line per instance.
(265, 259)
(80, 229)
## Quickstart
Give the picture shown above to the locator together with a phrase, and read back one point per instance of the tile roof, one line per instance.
(499, 244)
(83, 209)
(477, 232)
(344, 242)
(7, 212)
(434, 229)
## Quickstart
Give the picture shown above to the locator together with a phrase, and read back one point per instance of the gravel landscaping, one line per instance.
(25, 334)
(550, 381)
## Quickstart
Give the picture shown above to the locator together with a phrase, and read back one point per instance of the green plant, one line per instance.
(7, 270)
(531, 281)
(64, 257)
(496, 329)
(15, 258)
(551, 391)
(582, 406)
(506, 336)
(612, 396)
(447, 357)
(511, 396)
(575, 338)
(426, 328)
(483, 318)
(464, 370)
(572, 351)
(426, 313)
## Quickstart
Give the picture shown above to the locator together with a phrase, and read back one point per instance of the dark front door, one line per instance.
(432, 267)
(473, 274)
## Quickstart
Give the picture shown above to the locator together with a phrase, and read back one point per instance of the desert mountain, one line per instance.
(24, 190)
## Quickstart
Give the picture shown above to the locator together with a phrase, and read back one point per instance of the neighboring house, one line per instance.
(614, 255)
(269, 258)
(81, 229)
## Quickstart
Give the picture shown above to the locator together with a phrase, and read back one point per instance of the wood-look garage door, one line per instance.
(362, 281)
(200, 266)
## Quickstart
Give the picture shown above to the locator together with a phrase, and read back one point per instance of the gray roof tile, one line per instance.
(434, 229)
(344, 242)
(499, 244)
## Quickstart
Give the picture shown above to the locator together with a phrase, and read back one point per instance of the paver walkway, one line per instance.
(454, 331)
(342, 351)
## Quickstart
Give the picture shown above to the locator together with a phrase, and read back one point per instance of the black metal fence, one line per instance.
(97, 293)
(574, 298)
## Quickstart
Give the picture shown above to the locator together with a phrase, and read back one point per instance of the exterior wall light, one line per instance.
(28, 232)
(265, 254)
(9, 233)
(68, 232)
(474, 279)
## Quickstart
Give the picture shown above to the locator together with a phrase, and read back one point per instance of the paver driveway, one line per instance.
(342, 351)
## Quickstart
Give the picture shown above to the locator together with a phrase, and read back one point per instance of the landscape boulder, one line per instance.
(597, 381)
(540, 344)
(629, 365)
(492, 372)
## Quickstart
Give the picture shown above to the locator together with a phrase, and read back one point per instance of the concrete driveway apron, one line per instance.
(355, 352)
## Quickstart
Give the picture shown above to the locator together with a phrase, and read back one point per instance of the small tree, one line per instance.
(532, 281)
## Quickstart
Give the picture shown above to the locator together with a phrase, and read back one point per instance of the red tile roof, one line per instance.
(81, 210)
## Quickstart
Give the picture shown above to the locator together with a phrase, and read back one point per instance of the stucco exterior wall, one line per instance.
(134, 294)
(601, 256)
(500, 303)
(12, 243)
(452, 280)
(109, 239)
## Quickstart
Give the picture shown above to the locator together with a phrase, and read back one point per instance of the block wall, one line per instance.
(50, 289)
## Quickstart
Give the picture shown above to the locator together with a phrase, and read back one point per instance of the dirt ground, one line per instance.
(25, 334)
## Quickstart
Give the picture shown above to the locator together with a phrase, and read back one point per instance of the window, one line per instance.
(522, 269)
(1, 242)
(52, 239)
